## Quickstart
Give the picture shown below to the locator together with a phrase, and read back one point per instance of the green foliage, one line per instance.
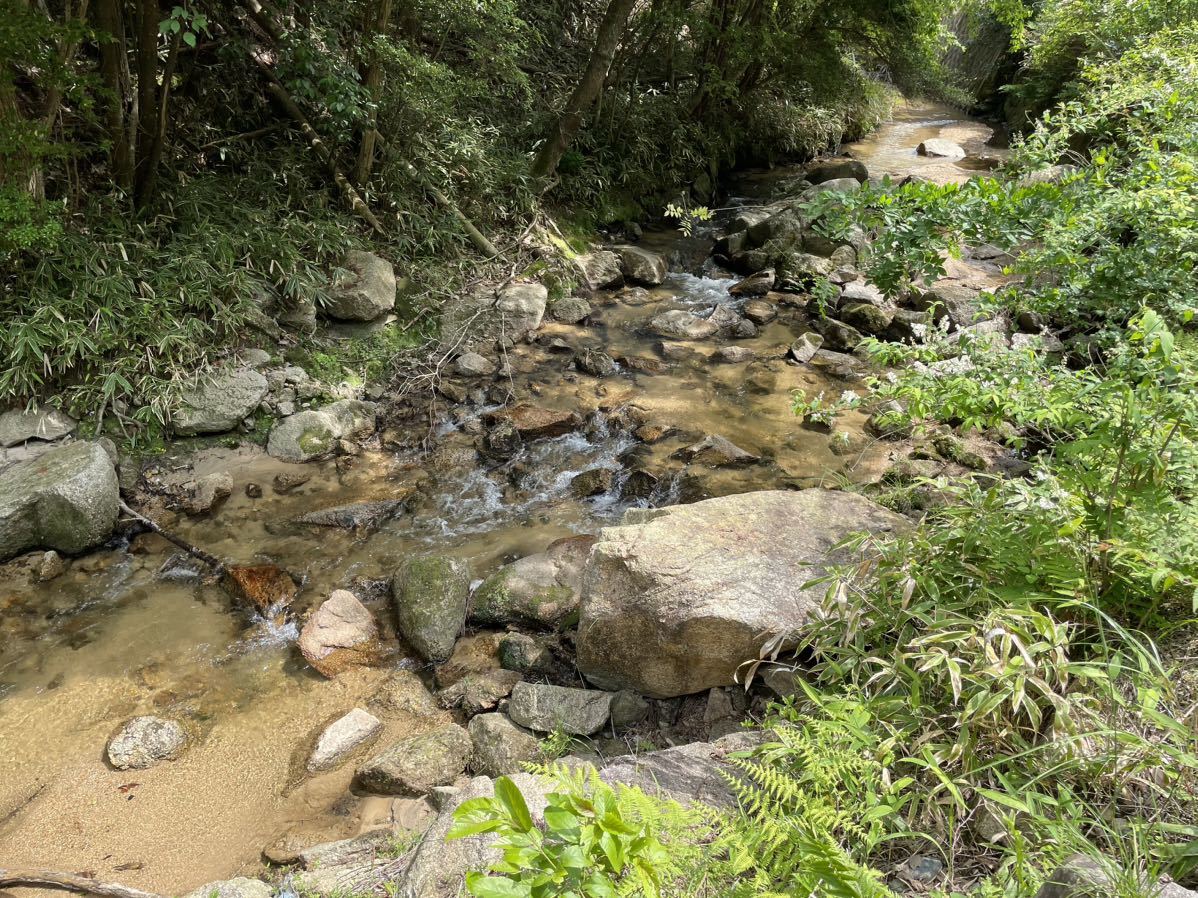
(596, 841)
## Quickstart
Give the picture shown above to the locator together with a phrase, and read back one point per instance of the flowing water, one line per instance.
(132, 629)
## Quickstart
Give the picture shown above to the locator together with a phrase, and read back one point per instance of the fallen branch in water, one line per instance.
(71, 883)
(195, 551)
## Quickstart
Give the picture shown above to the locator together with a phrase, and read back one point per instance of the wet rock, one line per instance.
(524, 654)
(266, 588)
(735, 355)
(144, 741)
(522, 307)
(652, 433)
(596, 363)
(805, 347)
(217, 401)
(253, 490)
(363, 289)
(500, 747)
(49, 567)
(544, 708)
(600, 270)
(414, 765)
(760, 311)
(641, 266)
(640, 484)
(44, 423)
(723, 316)
(471, 364)
(938, 146)
(339, 635)
(865, 317)
(838, 335)
(342, 738)
(830, 169)
(571, 310)
(675, 604)
(642, 364)
(240, 887)
(757, 284)
(430, 596)
(533, 422)
(628, 709)
(476, 693)
(208, 491)
(744, 330)
(286, 481)
(502, 440)
(403, 694)
(716, 451)
(311, 434)
(65, 499)
(355, 516)
(540, 589)
(593, 482)
(680, 324)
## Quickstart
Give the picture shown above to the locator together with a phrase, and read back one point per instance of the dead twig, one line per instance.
(71, 883)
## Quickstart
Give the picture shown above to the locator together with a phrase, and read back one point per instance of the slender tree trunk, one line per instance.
(112, 60)
(607, 39)
(378, 17)
(145, 173)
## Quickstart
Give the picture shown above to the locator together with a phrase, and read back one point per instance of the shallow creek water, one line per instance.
(127, 631)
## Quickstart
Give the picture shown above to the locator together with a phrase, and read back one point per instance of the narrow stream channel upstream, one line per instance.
(128, 631)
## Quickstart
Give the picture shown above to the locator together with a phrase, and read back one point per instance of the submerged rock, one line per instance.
(500, 747)
(65, 499)
(413, 766)
(356, 516)
(539, 589)
(593, 482)
(311, 434)
(363, 290)
(339, 635)
(533, 422)
(218, 401)
(580, 712)
(680, 324)
(44, 423)
(342, 738)
(716, 451)
(430, 596)
(144, 741)
(675, 604)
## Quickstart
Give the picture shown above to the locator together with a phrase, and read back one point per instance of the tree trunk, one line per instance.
(145, 174)
(112, 59)
(607, 39)
(378, 17)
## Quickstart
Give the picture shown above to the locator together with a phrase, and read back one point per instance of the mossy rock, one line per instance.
(430, 603)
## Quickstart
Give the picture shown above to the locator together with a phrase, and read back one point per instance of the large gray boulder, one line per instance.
(641, 266)
(43, 423)
(218, 401)
(313, 433)
(544, 708)
(676, 603)
(539, 589)
(938, 146)
(521, 308)
(430, 596)
(362, 290)
(600, 269)
(413, 766)
(64, 499)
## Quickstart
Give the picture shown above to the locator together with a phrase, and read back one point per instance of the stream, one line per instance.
(131, 629)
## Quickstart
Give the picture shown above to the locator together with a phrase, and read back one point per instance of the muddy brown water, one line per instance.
(129, 630)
